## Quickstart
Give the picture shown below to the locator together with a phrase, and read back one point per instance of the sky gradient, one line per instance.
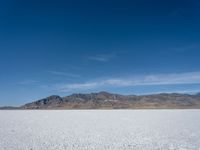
(128, 47)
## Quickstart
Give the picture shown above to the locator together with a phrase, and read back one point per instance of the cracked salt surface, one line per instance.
(100, 130)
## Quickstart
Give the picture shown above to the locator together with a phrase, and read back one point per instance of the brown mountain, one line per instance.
(105, 100)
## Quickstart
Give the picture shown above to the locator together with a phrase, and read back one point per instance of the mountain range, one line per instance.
(105, 100)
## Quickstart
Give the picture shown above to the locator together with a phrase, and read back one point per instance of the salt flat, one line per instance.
(100, 130)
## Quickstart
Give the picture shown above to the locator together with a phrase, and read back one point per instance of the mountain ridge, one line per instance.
(106, 100)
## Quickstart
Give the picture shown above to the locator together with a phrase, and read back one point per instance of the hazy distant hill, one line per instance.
(105, 100)
(9, 108)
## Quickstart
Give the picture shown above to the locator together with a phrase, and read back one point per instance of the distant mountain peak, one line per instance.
(104, 93)
(106, 100)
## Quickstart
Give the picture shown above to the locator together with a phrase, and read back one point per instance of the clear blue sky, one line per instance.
(128, 47)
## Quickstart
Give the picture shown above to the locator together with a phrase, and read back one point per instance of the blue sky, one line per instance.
(128, 47)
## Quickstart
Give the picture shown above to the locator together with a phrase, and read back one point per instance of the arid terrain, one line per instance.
(105, 100)
(100, 129)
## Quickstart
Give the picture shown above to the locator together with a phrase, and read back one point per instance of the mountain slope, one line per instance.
(105, 100)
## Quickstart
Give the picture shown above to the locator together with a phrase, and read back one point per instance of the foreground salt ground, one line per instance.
(100, 130)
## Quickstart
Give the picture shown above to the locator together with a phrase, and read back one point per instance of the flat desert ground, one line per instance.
(100, 130)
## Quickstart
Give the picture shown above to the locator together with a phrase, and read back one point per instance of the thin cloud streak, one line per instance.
(102, 58)
(59, 73)
(157, 79)
(185, 48)
(28, 82)
(107, 57)
(83, 86)
(171, 91)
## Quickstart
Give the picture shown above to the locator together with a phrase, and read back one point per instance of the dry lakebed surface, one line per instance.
(100, 129)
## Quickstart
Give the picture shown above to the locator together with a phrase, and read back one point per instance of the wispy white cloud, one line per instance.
(102, 58)
(105, 57)
(75, 86)
(185, 48)
(59, 73)
(192, 91)
(156, 79)
(28, 82)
